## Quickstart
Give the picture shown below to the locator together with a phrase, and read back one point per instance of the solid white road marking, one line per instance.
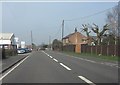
(13, 68)
(86, 80)
(65, 66)
(55, 59)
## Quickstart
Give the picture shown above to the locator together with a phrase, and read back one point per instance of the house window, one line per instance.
(67, 41)
(83, 40)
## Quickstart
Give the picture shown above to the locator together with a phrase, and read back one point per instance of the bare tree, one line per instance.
(86, 29)
(112, 19)
(119, 20)
(99, 33)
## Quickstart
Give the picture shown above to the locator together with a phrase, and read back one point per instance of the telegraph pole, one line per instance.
(62, 33)
(118, 30)
(31, 40)
(50, 42)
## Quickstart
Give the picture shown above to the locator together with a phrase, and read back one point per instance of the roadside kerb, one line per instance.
(12, 64)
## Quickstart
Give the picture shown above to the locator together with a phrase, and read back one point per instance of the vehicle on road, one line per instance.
(23, 50)
(20, 51)
(27, 50)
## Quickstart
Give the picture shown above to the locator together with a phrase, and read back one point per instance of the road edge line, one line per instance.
(14, 68)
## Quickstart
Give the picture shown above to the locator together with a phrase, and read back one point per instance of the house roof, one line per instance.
(72, 34)
(68, 36)
(6, 36)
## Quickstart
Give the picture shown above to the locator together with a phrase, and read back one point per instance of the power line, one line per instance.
(90, 15)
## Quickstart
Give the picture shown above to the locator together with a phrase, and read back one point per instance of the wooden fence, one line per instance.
(70, 48)
(108, 50)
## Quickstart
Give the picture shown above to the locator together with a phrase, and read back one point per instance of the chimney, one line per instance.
(76, 29)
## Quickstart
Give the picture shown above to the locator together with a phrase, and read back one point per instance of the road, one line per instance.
(55, 67)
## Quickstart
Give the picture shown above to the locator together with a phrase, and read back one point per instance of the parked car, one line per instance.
(20, 51)
(23, 50)
(27, 50)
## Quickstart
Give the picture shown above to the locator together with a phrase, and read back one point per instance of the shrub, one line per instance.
(10, 52)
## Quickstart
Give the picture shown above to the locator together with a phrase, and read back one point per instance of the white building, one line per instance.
(23, 44)
(8, 40)
(17, 42)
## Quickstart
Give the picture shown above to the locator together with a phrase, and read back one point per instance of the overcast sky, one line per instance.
(45, 18)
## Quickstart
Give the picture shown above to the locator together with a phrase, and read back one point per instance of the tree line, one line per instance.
(106, 35)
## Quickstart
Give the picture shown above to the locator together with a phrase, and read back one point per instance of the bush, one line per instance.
(10, 52)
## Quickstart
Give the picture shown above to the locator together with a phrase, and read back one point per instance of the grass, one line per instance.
(88, 55)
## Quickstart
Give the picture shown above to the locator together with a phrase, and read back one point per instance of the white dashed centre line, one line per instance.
(65, 66)
(50, 56)
(86, 80)
(55, 60)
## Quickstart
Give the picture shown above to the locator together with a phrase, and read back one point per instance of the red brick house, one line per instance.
(76, 39)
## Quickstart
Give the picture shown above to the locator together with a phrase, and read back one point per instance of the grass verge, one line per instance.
(88, 55)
